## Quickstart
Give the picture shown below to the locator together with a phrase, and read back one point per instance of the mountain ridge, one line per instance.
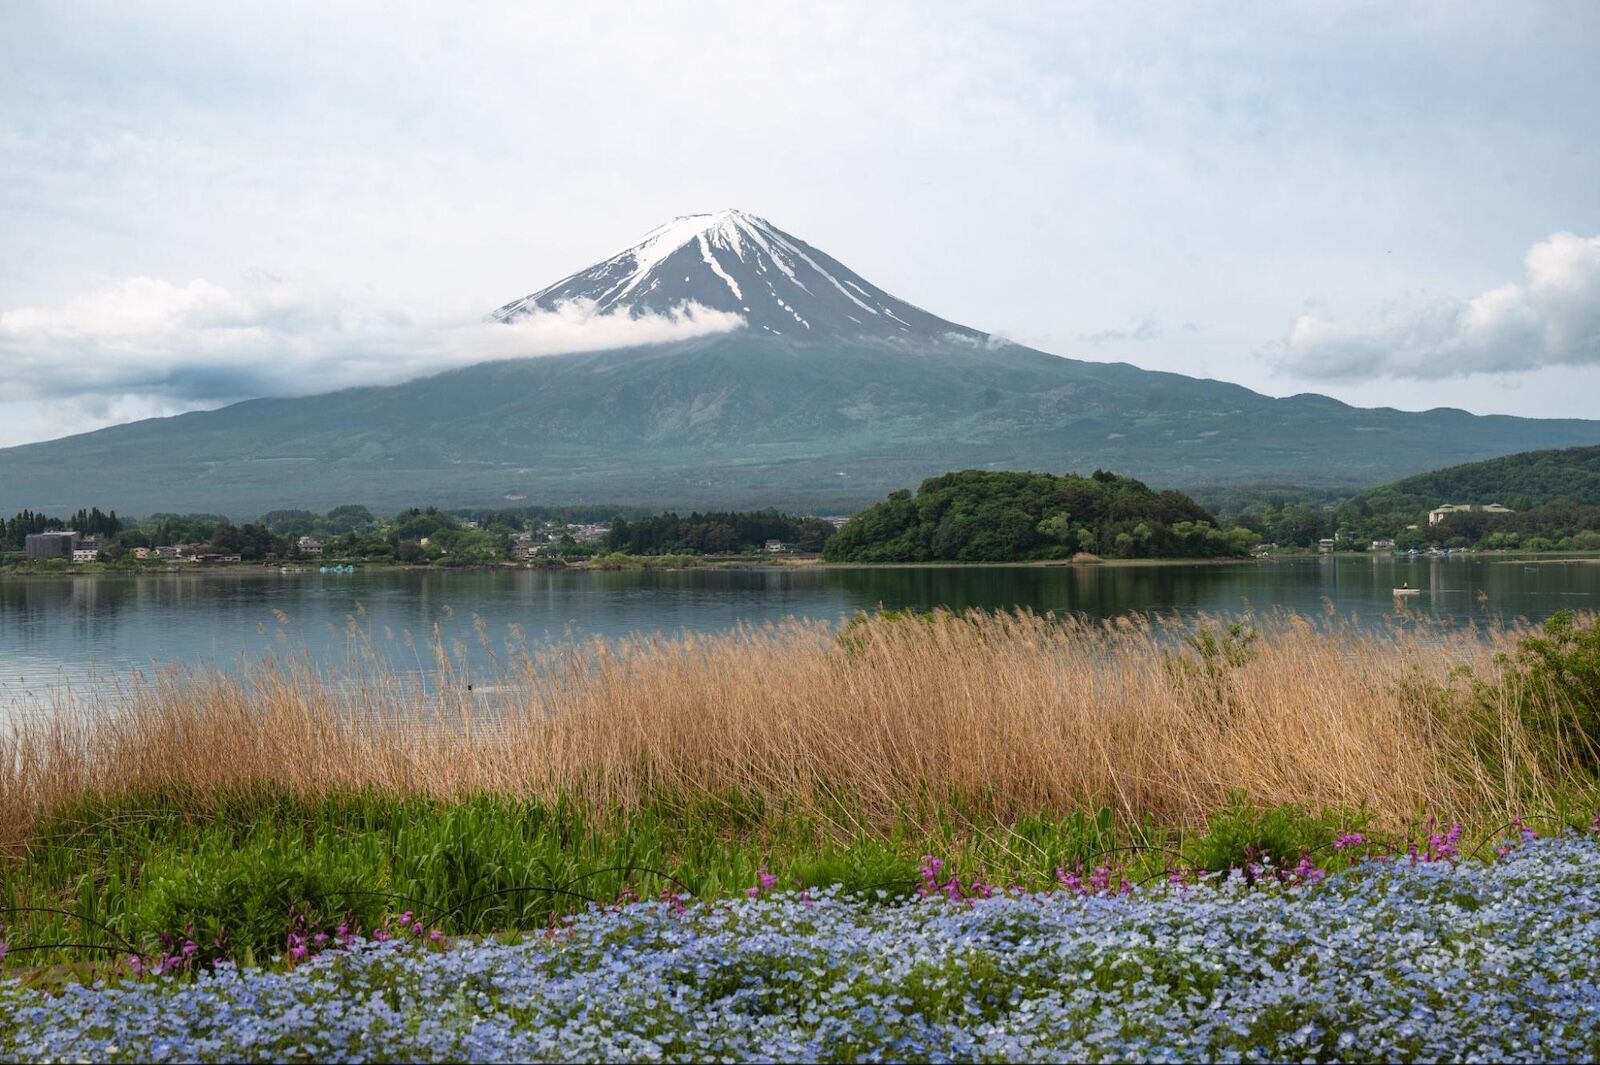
(828, 415)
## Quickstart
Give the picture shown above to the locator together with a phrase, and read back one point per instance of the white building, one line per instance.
(1438, 514)
(88, 549)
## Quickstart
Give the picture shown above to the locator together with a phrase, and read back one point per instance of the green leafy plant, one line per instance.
(1206, 670)
(235, 901)
(1243, 833)
(1552, 682)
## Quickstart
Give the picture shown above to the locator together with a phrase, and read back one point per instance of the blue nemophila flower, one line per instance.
(1392, 960)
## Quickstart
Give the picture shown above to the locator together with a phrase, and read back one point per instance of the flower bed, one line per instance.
(1395, 959)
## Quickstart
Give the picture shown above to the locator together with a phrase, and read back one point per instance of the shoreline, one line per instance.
(807, 562)
(643, 565)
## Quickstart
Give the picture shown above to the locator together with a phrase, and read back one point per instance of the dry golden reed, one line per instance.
(994, 716)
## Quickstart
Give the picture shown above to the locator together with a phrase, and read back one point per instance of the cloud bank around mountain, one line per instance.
(146, 347)
(1551, 317)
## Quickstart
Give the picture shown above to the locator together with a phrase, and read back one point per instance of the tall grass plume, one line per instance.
(991, 717)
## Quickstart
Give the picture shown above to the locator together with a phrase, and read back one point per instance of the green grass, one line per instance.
(124, 875)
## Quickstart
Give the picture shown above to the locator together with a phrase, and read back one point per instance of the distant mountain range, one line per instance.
(833, 393)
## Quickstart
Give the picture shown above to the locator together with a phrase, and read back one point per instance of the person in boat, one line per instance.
(1404, 585)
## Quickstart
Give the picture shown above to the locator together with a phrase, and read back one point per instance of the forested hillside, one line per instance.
(1553, 497)
(985, 516)
(1521, 481)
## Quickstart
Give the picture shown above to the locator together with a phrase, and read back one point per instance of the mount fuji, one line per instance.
(828, 394)
(740, 264)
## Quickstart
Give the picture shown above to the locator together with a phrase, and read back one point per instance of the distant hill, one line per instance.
(832, 394)
(1524, 480)
(1001, 516)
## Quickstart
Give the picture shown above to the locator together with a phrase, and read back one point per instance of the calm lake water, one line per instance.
(88, 631)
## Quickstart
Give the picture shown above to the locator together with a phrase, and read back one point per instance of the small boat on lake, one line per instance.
(1406, 589)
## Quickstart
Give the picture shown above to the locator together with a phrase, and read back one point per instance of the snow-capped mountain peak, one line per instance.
(740, 263)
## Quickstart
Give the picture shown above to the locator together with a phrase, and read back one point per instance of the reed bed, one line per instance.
(990, 717)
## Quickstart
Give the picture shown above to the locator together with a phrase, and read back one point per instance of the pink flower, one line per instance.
(136, 964)
(753, 892)
(930, 872)
(436, 936)
(1347, 840)
(1443, 846)
(405, 919)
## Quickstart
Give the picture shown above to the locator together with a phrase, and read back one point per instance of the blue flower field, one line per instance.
(1403, 958)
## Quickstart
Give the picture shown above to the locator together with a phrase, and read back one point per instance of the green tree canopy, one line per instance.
(990, 516)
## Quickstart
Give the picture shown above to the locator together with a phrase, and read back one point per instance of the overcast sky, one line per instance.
(1392, 204)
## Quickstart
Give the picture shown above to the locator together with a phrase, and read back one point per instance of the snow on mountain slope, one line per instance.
(739, 263)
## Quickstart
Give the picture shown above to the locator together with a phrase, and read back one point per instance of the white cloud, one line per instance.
(1550, 318)
(1059, 168)
(145, 347)
(1147, 327)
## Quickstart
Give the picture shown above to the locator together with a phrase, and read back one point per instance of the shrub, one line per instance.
(1206, 672)
(1552, 682)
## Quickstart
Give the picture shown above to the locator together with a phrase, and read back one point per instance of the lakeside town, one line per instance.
(418, 537)
(433, 537)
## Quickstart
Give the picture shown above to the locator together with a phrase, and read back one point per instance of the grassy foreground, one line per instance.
(225, 815)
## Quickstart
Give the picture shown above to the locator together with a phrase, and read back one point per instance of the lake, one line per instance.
(85, 631)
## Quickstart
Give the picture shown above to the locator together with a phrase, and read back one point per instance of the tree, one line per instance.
(997, 516)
